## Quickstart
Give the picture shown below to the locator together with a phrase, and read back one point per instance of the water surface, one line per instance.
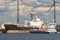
(29, 36)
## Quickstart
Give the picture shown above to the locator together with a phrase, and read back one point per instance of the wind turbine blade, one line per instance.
(24, 3)
(57, 2)
(53, 0)
(29, 12)
(50, 8)
(31, 15)
(11, 1)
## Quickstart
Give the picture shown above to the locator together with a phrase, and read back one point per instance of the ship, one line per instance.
(38, 26)
(32, 26)
(51, 28)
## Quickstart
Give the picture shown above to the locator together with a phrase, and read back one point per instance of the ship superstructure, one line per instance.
(51, 28)
(36, 23)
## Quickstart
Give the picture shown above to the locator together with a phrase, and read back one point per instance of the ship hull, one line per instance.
(38, 31)
(52, 32)
(14, 29)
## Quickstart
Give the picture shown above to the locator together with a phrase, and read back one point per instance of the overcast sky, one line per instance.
(39, 7)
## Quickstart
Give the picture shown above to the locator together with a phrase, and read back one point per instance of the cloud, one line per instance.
(57, 8)
(2, 4)
(38, 5)
(24, 10)
(47, 8)
(1, 0)
(12, 7)
(33, 3)
(30, 0)
(2, 7)
(42, 8)
(14, 14)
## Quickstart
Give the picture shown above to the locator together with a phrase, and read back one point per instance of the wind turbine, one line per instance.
(28, 4)
(54, 5)
(31, 14)
(17, 9)
(6, 7)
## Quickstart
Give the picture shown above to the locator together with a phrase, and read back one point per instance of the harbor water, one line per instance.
(4, 36)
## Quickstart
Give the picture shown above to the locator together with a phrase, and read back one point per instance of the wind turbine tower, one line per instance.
(54, 5)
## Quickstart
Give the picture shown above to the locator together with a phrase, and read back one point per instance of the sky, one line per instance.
(8, 12)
